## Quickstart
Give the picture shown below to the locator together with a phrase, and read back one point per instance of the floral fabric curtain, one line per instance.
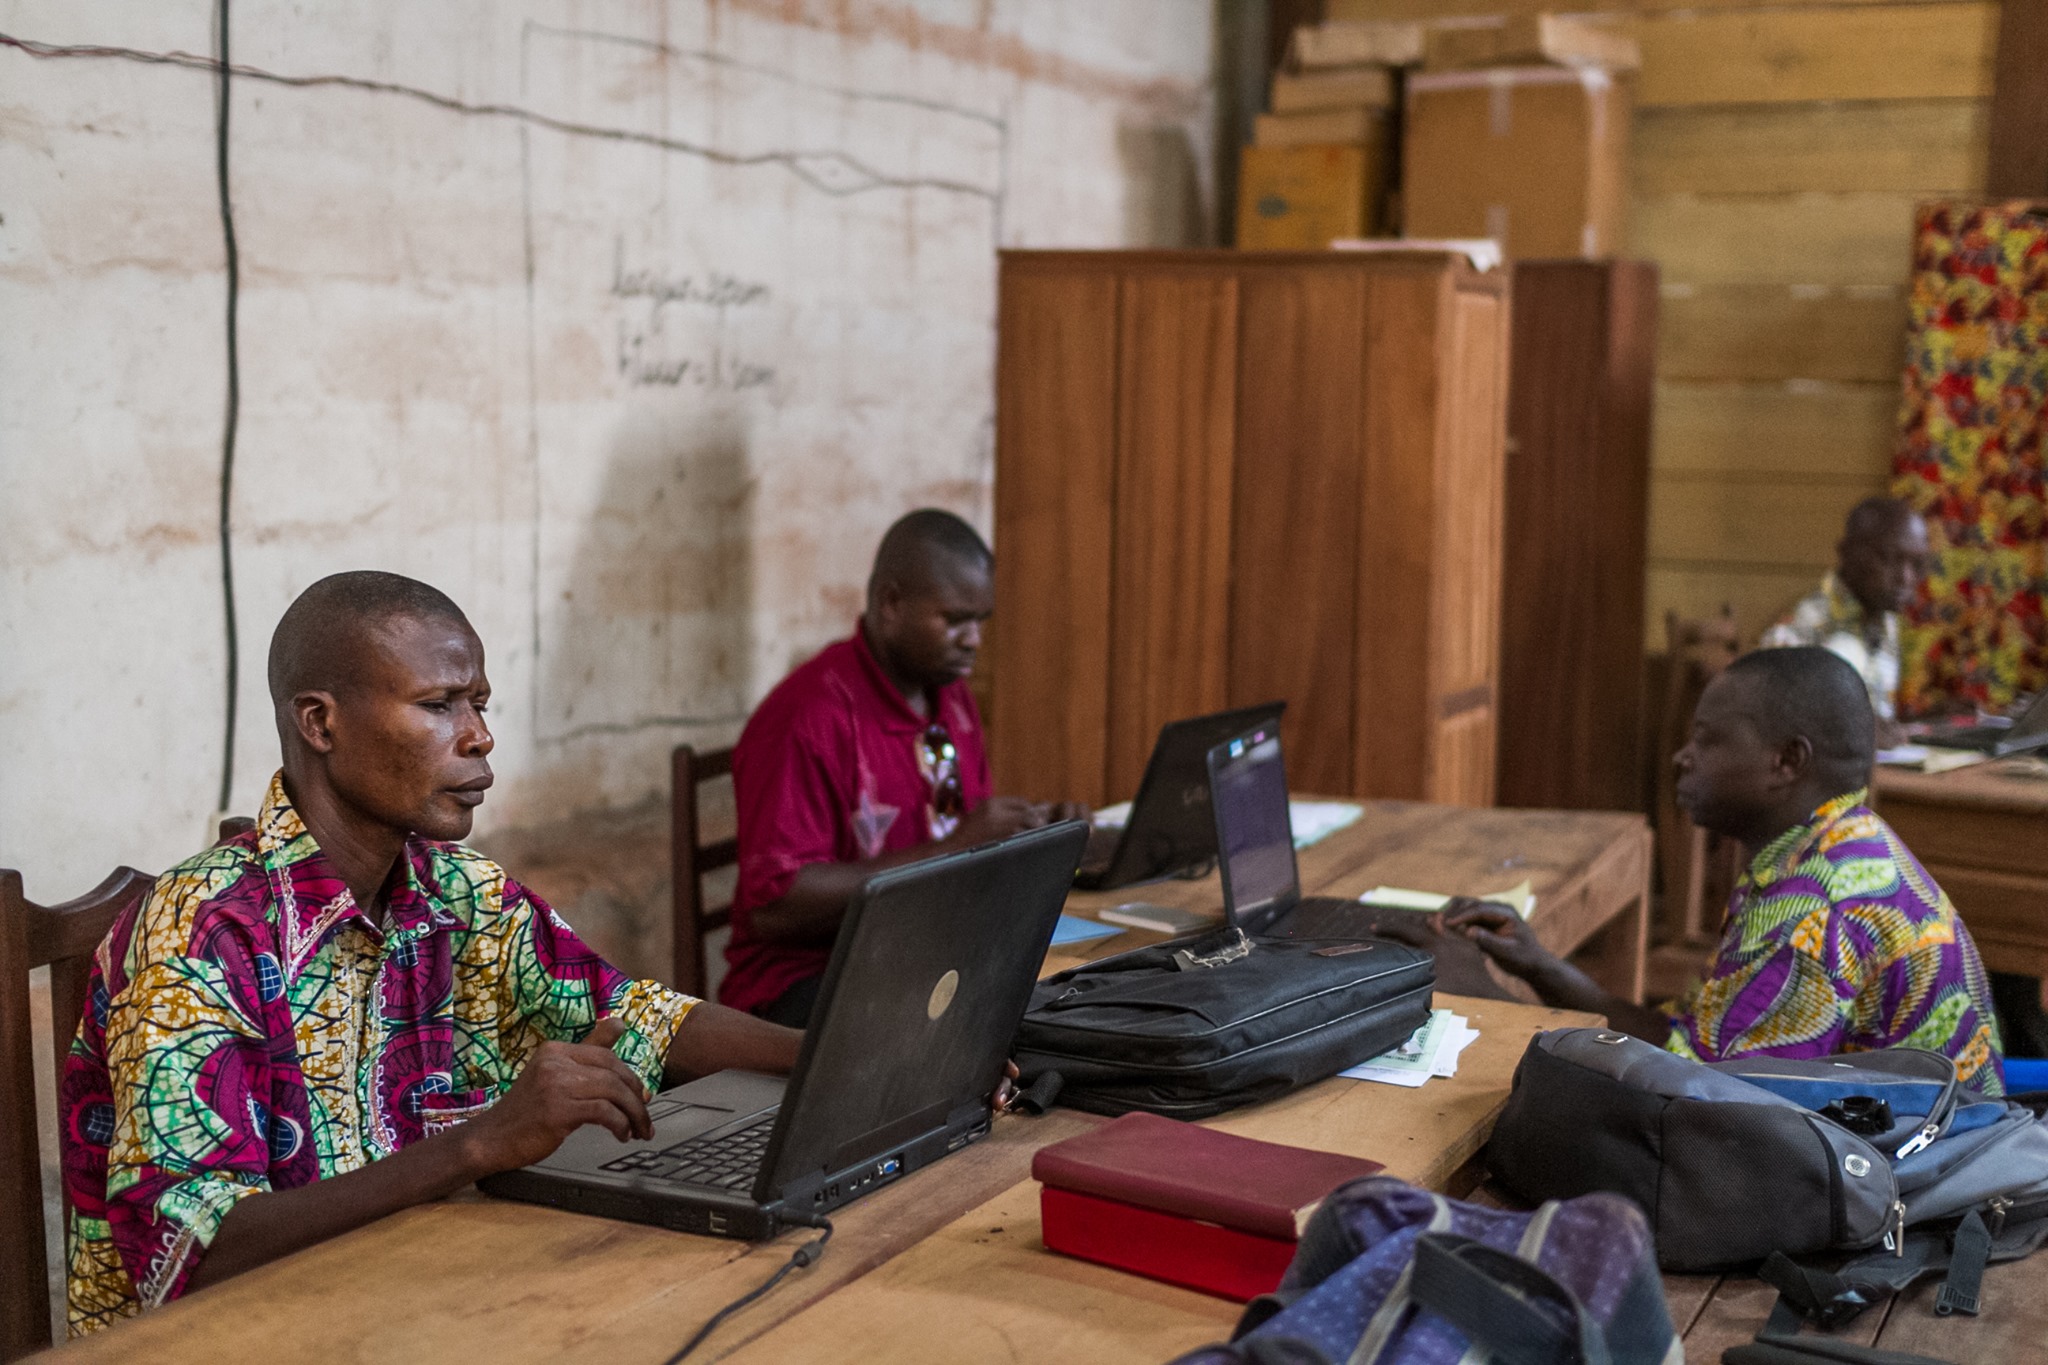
(1972, 425)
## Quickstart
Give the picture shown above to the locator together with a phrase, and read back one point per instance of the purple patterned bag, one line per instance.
(1389, 1274)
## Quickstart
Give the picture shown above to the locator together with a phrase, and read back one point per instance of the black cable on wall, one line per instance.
(223, 74)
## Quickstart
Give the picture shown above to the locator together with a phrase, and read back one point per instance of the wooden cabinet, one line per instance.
(1578, 477)
(1226, 477)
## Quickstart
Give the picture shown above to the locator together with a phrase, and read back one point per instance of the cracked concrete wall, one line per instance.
(629, 325)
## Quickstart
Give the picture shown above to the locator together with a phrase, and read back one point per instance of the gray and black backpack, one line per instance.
(1766, 1160)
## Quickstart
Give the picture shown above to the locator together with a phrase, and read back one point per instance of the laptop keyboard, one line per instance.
(727, 1162)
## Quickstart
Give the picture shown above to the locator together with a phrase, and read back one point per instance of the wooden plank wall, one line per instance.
(1778, 151)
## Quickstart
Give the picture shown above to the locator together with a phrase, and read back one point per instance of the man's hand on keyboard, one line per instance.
(563, 1087)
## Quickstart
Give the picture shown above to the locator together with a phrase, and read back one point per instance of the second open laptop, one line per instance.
(1255, 847)
(1170, 829)
(2028, 731)
(928, 980)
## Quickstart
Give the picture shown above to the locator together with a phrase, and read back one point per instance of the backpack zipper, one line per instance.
(1999, 1206)
(1920, 1141)
(1895, 1240)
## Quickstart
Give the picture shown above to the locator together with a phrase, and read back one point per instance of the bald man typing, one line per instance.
(345, 1012)
(867, 757)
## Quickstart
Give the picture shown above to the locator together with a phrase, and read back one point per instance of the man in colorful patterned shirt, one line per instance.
(1836, 939)
(866, 757)
(1879, 563)
(343, 1012)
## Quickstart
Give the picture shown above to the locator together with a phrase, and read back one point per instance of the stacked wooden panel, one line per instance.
(1223, 478)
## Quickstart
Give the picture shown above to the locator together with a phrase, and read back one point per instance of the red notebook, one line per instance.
(1163, 1246)
(1264, 1188)
(1184, 1204)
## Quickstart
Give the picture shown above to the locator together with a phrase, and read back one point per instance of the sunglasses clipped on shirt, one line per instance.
(942, 760)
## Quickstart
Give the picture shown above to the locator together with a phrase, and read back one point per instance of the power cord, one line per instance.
(804, 1255)
(234, 404)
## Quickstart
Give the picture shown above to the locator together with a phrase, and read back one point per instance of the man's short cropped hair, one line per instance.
(318, 640)
(1812, 693)
(920, 541)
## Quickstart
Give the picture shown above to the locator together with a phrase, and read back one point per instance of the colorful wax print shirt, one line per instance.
(248, 1028)
(1833, 619)
(833, 768)
(1836, 941)
(1972, 453)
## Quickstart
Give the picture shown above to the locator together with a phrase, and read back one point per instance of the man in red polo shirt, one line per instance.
(867, 757)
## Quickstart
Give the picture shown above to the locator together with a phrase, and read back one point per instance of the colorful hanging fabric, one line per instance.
(1970, 453)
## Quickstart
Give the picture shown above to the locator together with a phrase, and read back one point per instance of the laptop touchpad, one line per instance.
(679, 1119)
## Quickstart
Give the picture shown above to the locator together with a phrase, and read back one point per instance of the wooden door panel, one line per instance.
(1398, 376)
(1461, 758)
(1171, 545)
(1055, 477)
(1294, 558)
(1464, 652)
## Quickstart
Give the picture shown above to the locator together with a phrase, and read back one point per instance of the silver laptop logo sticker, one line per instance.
(942, 995)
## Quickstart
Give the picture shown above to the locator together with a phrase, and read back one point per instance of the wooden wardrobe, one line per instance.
(1227, 477)
(1578, 490)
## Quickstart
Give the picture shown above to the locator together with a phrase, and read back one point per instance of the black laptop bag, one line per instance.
(1194, 1027)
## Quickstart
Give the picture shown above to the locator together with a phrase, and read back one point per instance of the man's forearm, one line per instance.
(264, 1227)
(1563, 986)
(714, 1038)
(816, 901)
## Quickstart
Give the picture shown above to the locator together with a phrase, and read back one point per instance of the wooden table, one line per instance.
(1982, 832)
(515, 1282)
(1590, 871)
(985, 1287)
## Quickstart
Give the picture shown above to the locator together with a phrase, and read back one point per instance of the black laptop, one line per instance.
(930, 976)
(2025, 732)
(1255, 848)
(1170, 831)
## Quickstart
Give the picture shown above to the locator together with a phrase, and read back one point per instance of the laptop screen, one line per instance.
(1254, 840)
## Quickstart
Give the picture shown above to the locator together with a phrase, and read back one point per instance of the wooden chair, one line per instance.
(691, 860)
(61, 937)
(1698, 868)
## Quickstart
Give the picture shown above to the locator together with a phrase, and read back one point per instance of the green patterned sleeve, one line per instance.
(553, 987)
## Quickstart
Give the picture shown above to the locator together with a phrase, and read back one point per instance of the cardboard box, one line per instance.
(1346, 87)
(1532, 156)
(1322, 127)
(1354, 43)
(1531, 40)
(1304, 198)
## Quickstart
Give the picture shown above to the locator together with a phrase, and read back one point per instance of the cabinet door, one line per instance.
(1047, 651)
(1294, 552)
(1465, 611)
(1177, 369)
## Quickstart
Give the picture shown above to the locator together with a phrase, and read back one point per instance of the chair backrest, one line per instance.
(690, 860)
(1696, 869)
(62, 938)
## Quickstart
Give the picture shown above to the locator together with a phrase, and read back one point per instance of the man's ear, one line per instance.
(1794, 761)
(313, 717)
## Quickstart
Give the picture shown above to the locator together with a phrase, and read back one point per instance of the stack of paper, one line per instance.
(1431, 1050)
(1521, 899)
(1929, 758)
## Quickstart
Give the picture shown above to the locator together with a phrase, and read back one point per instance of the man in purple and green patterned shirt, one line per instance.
(1836, 939)
(344, 1012)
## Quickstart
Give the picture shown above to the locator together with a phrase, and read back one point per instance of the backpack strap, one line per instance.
(1968, 1255)
(1484, 1293)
